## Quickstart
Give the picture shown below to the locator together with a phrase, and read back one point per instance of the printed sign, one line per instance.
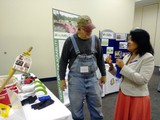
(22, 63)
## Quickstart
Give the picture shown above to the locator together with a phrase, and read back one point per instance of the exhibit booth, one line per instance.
(115, 45)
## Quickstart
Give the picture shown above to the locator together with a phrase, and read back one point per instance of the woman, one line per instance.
(133, 102)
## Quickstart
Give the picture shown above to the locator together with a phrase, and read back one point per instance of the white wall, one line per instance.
(148, 18)
(25, 23)
(106, 14)
(138, 17)
(157, 40)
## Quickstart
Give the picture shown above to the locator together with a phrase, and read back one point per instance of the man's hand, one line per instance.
(109, 59)
(103, 80)
(63, 85)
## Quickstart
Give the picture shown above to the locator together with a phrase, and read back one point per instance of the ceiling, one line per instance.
(145, 2)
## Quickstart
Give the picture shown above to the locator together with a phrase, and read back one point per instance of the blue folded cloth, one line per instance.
(43, 98)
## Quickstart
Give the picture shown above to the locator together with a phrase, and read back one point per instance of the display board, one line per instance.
(114, 44)
(64, 25)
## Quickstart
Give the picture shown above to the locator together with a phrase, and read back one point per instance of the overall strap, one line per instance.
(93, 50)
(75, 45)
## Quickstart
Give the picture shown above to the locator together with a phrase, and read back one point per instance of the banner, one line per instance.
(64, 25)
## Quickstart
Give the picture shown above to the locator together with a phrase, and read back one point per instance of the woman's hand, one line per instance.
(120, 63)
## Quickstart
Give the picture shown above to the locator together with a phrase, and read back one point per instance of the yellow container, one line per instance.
(4, 110)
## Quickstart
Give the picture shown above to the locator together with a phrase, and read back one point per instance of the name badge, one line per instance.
(84, 69)
(133, 61)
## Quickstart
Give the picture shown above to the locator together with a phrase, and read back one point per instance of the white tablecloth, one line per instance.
(56, 111)
(112, 83)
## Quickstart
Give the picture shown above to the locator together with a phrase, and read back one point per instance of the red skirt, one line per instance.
(132, 108)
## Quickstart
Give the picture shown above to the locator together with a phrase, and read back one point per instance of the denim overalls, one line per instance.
(83, 84)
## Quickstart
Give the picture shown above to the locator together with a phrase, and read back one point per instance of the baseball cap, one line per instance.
(85, 22)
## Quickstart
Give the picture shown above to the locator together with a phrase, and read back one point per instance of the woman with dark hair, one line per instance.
(133, 101)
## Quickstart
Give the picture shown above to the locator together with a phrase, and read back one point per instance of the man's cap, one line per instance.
(85, 22)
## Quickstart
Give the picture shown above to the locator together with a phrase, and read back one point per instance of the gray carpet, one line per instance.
(109, 100)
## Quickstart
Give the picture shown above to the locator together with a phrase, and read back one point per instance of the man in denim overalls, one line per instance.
(83, 53)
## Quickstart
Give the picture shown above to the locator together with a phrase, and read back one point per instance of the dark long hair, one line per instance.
(142, 38)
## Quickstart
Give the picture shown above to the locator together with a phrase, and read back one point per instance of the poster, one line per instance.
(64, 25)
(104, 42)
(22, 63)
(121, 36)
(114, 44)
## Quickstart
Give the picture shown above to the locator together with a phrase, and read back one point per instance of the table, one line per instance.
(56, 111)
(112, 83)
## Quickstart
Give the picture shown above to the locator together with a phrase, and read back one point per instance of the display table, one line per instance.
(112, 83)
(56, 111)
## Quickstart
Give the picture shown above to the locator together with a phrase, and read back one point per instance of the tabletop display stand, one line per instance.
(21, 64)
